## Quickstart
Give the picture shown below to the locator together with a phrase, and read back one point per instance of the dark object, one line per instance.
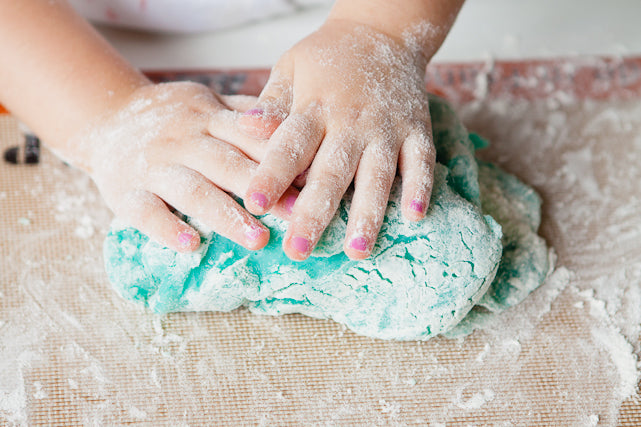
(31, 149)
(11, 155)
(31, 152)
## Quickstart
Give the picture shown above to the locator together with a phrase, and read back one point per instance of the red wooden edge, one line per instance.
(598, 78)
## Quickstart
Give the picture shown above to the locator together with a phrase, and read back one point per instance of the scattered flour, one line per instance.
(475, 401)
(592, 208)
(591, 235)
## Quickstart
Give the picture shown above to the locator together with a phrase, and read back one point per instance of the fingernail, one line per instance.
(254, 112)
(417, 206)
(289, 203)
(185, 238)
(358, 243)
(254, 232)
(259, 199)
(302, 174)
(300, 244)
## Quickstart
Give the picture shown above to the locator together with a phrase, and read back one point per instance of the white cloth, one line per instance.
(185, 16)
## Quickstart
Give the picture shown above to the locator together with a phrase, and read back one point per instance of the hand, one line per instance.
(352, 103)
(155, 152)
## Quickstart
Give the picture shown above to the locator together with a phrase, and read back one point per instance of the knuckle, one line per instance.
(286, 155)
(328, 182)
(199, 189)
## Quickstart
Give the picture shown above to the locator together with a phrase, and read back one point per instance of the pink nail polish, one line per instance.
(254, 112)
(358, 243)
(417, 206)
(253, 233)
(185, 238)
(289, 203)
(259, 199)
(300, 244)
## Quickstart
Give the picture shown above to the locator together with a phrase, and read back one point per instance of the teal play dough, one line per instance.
(475, 254)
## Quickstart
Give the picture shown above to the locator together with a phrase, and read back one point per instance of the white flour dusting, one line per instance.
(568, 351)
(595, 209)
(475, 401)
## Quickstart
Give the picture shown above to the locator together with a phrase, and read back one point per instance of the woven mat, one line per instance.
(73, 353)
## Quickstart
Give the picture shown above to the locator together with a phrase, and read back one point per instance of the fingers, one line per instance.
(301, 179)
(193, 194)
(328, 178)
(273, 105)
(291, 150)
(416, 164)
(285, 206)
(230, 170)
(260, 119)
(239, 103)
(374, 178)
(223, 125)
(223, 164)
(152, 217)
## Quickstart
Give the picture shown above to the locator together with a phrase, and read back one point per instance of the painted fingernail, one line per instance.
(417, 206)
(254, 112)
(358, 243)
(254, 232)
(259, 199)
(300, 244)
(289, 203)
(185, 238)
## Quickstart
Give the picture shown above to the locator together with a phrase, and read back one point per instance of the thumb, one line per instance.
(272, 107)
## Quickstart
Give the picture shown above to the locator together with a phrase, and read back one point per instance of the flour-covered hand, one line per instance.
(155, 154)
(353, 106)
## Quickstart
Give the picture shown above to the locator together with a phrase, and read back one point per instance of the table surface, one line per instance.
(72, 352)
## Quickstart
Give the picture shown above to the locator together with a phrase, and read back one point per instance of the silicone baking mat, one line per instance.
(73, 353)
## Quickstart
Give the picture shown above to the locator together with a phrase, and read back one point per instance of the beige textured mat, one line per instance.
(73, 353)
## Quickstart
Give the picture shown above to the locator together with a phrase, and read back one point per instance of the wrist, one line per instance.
(94, 104)
(420, 25)
(73, 141)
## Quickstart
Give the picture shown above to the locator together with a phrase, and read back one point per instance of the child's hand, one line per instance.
(352, 102)
(155, 152)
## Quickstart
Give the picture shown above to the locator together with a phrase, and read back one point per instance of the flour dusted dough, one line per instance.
(421, 280)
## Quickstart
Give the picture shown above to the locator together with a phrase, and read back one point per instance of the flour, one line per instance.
(579, 171)
(15, 359)
(611, 340)
(39, 392)
(596, 218)
(565, 353)
(475, 401)
(390, 408)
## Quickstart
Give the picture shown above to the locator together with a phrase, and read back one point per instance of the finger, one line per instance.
(416, 164)
(329, 176)
(301, 179)
(152, 217)
(223, 125)
(273, 105)
(285, 206)
(239, 103)
(230, 170)
(291, 150)
(196, 196)
(223, 164)
(372, 184)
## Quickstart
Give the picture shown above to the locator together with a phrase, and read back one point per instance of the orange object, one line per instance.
(3, 110)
